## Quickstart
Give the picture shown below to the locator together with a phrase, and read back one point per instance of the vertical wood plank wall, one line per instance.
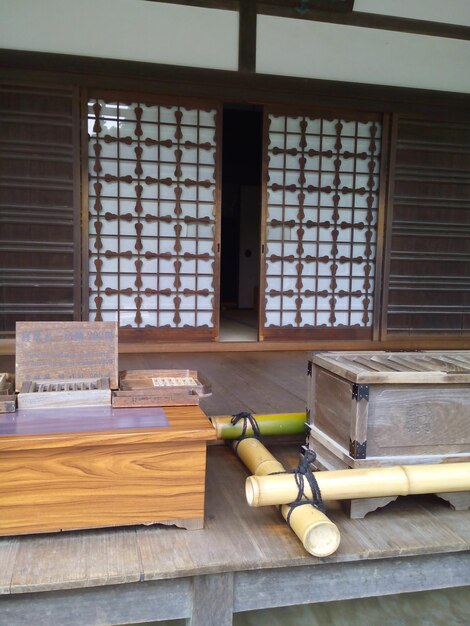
(39, 209)
(429, 240)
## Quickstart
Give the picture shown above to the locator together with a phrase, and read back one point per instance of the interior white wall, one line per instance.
(445, 11)
(123, 29)
(311, 49)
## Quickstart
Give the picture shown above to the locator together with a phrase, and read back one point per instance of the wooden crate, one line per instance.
(7, 393)
(66, 363)
(89, 467)
(160, 388)
(377, 408)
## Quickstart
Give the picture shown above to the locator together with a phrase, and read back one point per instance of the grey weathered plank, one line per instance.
(304, 585)
(110, 605)
(8, 554)
(212, 600)
(76, 559)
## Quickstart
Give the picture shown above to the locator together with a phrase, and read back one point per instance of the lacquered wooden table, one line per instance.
(243, 559)
(89, 467)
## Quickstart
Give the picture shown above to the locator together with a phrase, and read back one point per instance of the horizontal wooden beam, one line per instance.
(370, 20)
(399, 342)
(226, 86)
(339, 12)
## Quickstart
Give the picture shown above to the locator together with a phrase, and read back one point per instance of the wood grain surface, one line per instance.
(93, 486)
(56, 430)
(431, 367)
(418, 419)
(332, 410)
(138, 469)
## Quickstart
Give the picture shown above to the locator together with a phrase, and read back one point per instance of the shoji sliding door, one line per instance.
(153, 229)
(321, 199)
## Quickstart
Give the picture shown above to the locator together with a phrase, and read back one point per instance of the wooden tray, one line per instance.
(160, 388)
(64, 393)
(7, 393)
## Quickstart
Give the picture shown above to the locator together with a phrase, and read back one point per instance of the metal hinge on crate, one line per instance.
(360, 392)
(357, 450)
(309, 368)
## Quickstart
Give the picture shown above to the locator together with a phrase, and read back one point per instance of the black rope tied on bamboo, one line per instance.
(303, 473)
(247, 419)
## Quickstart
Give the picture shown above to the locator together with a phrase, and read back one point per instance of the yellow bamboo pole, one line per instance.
(398, 480)
(269, 424)
(317, 533)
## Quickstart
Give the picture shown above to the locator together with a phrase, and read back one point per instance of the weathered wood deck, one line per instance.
(244, 558)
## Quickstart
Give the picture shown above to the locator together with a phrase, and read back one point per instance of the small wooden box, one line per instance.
(378, 408)
(7, 393)
(61, 364)
(160, 388)
(63, 393)
(65, 469)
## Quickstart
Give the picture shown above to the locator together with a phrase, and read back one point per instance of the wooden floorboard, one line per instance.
(269, 382)
(259, 382)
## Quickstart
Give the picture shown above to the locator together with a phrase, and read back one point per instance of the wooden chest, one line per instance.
(89, 467)
(379, 408)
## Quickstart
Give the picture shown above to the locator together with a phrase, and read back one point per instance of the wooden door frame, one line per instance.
(157, 333)
(339, 334)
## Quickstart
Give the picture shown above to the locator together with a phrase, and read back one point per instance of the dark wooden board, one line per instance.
(7, 393)
(160, 397)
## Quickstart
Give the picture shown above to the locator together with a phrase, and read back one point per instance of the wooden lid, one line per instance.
(103, 425)
(66, 350)
(436, 367)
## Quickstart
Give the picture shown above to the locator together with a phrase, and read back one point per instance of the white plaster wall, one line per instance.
(310, 49)
(445, 11)
(123, 29)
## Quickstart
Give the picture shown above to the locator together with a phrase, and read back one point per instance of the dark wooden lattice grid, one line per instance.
(318, 202)
(152, 255)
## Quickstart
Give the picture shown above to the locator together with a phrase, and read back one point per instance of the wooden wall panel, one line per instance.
(429, 271)
(38, 205)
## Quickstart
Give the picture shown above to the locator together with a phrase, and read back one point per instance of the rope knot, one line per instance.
(247, 419)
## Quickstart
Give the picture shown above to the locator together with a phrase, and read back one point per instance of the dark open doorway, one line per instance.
(241, 222)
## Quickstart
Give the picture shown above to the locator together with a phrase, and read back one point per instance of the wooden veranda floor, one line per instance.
(259, 382)
(246, 557)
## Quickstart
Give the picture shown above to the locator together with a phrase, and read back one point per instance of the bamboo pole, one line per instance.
(317, 533)
(398, 480)
(269, 424)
